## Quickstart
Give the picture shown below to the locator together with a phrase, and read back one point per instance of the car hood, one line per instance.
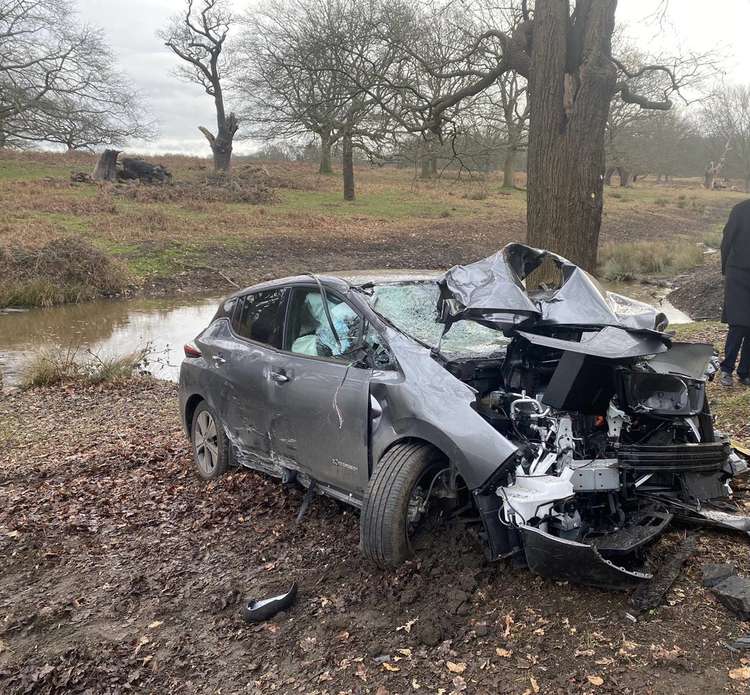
(492, 292)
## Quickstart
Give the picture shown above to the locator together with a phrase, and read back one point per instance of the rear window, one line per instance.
(260, 317)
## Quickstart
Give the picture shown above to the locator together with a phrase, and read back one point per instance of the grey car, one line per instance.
(563, 420)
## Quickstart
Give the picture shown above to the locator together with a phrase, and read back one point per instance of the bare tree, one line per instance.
(285, 82)
(58, 81)
(564, 50)
(728, 117)
(198, 37)
(318, 68)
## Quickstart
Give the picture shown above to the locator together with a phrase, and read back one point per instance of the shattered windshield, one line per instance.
(412, 306)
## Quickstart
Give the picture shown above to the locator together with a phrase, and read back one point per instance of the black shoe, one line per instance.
(745, 380)
(726, 379)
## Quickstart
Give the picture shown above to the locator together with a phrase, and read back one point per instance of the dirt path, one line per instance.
(123, 572)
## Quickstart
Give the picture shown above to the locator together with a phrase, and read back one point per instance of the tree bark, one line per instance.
(434, 165)
(567, 127)
(221, 143)
(325, 153)
(425, 168)
(347, 162)
(106, 166)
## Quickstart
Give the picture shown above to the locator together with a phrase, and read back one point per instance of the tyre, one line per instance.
(396, 501)
(210, 446)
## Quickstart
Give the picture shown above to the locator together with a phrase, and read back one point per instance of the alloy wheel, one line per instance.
(206, 442)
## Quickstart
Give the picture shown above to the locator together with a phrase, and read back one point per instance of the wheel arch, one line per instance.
(190, 406)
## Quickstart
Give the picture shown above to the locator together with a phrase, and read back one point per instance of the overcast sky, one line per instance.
(131, 25)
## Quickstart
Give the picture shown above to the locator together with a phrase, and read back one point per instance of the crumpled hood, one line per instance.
(492, 292)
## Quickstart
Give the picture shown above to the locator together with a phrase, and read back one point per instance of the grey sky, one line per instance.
(131, 26)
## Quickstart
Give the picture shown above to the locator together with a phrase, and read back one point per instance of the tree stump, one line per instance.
(106, 167)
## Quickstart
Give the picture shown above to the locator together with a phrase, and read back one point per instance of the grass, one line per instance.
(66, 269)
(632, 260)
(56, 366)
(712, 238)
(167, 237)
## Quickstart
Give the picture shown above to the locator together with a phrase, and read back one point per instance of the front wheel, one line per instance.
(396, 502)
(210, 450)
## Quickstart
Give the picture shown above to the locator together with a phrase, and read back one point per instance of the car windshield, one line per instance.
(412, 306)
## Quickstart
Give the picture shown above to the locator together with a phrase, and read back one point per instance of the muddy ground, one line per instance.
(700, 293)
(122, 572)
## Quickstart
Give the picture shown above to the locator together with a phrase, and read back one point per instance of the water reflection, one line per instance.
(107, 328)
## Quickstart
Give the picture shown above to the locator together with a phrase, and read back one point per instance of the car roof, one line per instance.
(342, 281)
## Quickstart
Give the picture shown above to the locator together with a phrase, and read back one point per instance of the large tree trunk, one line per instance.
(106, 166)
(566, 128)
(425, 168)
(325, 153)
(347, 162)
(221, 143)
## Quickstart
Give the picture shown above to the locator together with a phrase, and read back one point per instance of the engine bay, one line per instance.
(609, 450)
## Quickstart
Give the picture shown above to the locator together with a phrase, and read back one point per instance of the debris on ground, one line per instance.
(734, 593)
(715, 573)
(258, 610)
(741, 643)
(650, 595)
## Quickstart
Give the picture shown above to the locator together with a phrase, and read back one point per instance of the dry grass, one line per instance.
(63, 270)
(634, 260)
(59, 365)
(163, 234)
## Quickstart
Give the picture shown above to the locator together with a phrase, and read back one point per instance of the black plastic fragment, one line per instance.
(734, 593)
(715, 573)
(558, 558)
(648, 596)
(258, 610)
(741, 643)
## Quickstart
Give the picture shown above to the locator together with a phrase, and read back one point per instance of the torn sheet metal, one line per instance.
(686, 359)
(558, 558)
(716, 518)
(610, 342)
(492, 291)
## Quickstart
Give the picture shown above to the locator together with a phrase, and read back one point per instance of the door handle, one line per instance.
(218, 359)
(279, 377)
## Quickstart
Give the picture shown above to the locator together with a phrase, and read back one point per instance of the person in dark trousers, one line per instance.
(735, 267)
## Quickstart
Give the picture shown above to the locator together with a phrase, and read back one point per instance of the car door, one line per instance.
(320, 393)
(257, 327)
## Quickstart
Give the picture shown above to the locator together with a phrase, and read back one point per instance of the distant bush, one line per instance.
(54, 366)
(632, 260)
(661, 202)
(712, 239)
(477, 194)
(63, 270)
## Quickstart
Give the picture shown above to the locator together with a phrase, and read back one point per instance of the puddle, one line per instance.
(106, 328)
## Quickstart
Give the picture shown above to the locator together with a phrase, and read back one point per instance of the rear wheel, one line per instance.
(396, 502)
(210, 449)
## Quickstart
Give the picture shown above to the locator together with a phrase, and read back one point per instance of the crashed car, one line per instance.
(563, 418)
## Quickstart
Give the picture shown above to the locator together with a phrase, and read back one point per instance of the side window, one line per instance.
(309, 331)
(260, 317)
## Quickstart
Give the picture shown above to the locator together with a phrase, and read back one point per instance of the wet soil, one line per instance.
(700, 293)
(122, 572)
